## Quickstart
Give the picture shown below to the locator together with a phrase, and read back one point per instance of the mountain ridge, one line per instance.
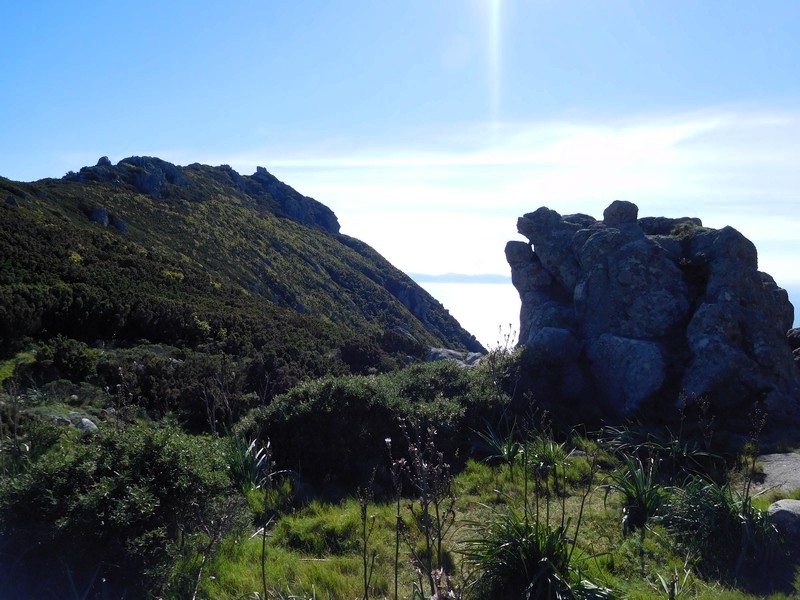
(201, 256)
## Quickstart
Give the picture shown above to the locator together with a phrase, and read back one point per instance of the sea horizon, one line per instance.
(488, 305)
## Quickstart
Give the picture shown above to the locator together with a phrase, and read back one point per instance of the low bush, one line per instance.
(720, 527)
(332, 431)
(117, 503)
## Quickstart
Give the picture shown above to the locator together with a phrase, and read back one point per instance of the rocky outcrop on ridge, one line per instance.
(163, 180)
(628, 314)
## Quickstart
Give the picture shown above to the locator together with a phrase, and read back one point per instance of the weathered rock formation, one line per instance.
(626, 314)
(163, 180)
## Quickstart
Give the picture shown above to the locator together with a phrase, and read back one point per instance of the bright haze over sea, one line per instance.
(489, 307)
(489, 311)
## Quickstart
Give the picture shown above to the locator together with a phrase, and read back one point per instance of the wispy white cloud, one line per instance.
(449, 202)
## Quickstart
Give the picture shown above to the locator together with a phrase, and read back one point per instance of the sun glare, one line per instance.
(494, 23)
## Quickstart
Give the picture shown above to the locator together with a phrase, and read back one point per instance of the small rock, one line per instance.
(86, 425)
(664, 225)
(781, 471)
(119, 224)
(404, 332)
(793, 336)
(620, 212)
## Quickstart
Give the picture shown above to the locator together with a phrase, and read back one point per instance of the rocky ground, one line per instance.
(781, 471)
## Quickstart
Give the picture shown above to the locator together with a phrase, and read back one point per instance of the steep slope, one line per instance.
(203, 258)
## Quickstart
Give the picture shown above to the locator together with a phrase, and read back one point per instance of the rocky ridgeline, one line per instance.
(626, 315)
(162, 180)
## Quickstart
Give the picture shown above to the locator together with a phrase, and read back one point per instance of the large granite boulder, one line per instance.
(626, 314)
(785, 516)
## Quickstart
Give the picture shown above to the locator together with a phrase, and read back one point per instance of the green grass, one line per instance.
(7, 366)
(763, 501)
(315, 551)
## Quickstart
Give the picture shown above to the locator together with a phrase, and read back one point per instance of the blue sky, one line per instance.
(429, 126)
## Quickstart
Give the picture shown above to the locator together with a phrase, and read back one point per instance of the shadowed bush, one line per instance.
(514, 556)
(120, 503)
(642, 497)
(332, 431)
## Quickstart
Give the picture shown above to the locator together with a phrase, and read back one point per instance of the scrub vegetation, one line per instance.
(415, 483)
(202, 395)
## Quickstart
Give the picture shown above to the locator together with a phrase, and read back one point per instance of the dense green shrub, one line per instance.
(365, 356)
(333, 430)
(207, 392)
(61, 358)
(117, 503)
(23, 438)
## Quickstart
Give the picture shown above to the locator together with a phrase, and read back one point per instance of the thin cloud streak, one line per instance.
(510, 144)
(456, 196)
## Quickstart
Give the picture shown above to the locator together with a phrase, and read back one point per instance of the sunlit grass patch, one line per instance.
(7, 366)
(236, 572)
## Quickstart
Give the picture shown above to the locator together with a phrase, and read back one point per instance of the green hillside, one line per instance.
(203, 258)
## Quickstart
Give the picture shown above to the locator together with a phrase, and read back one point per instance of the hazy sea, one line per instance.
(487, 310)
(491, 310)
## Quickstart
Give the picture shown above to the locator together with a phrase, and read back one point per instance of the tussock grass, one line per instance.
(314, 551)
